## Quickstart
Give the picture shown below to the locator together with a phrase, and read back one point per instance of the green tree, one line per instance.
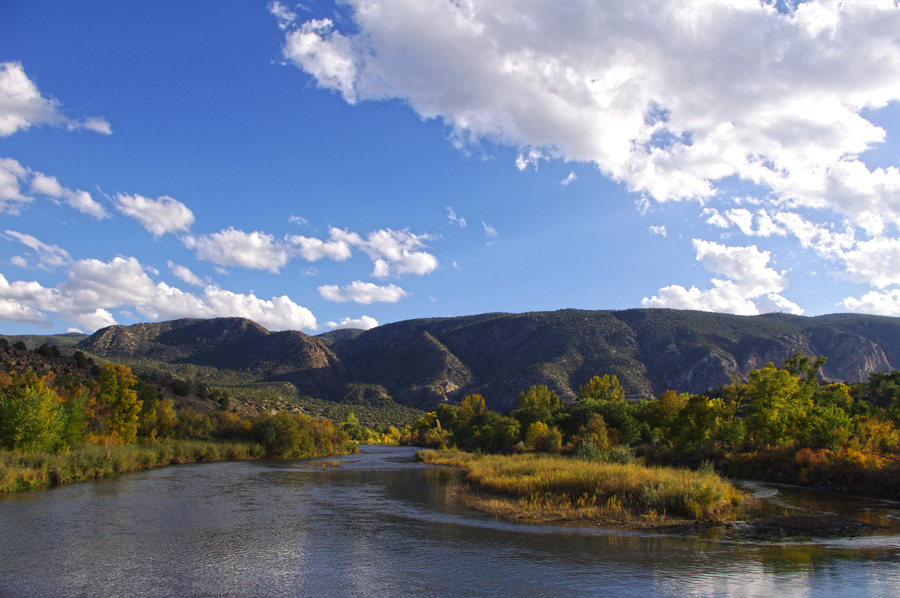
(778, 403)
(542, 438)
(539, 404)
(282, 436)
(31, 418)
(703, 420)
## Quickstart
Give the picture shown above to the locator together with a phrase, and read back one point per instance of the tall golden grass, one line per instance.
(538, 486)
(30, 471)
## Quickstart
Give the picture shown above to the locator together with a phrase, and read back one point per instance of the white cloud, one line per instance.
(338, 247)
(393, 252)
(94, 288)
(298, 220)
(725, 297)
(876, 262)
(22, 105)
(454, 219)
(659, 230)
(11, 198)
(185, 274)
(78, 199)
(282, 13)
(490, 233)
(48, 256)
(748, 266)
(668, 98)
(775, 303)
(398, 252)
(750, 278)
(362, 292)
(882, 303)
(46, 185)
(231, 247)
(13, 311)
(569, 179)
(363, 323)
(532, 157)
(157, 216)
(13, 174)
(714, 218)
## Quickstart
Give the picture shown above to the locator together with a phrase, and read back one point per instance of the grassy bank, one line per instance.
(543, 488)
(20, 471)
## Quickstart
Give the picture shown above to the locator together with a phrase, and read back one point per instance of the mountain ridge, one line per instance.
(423, 362)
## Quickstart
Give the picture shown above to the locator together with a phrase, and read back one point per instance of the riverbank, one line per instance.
(540, 488)
(553, 489)
(31, 471)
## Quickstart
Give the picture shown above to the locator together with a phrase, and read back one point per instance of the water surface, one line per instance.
(381, 525)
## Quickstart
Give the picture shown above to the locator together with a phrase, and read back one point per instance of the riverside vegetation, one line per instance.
(93, 420)
(600, 457)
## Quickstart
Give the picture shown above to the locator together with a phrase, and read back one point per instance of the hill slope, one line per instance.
(422, 362)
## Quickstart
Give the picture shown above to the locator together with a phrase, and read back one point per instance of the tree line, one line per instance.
(782, 423)
(110, 405)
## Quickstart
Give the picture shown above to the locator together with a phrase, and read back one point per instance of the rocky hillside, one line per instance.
(422, 362)
(227, 343)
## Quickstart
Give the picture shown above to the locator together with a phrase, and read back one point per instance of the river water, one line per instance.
(381, 525)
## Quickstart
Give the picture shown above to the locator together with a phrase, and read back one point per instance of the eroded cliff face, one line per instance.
(851, 358)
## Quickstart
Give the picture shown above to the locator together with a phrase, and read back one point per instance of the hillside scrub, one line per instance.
(58, 429)
(782, 424)
(554, 487)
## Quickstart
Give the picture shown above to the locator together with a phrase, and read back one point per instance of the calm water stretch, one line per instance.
(381, 525)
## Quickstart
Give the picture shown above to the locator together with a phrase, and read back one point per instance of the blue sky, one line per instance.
(321, 165)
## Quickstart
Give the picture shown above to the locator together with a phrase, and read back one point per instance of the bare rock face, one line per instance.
(710, 372)
(851, 358)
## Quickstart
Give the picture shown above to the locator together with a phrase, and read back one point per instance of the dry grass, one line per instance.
(537, 487)
(36, 470)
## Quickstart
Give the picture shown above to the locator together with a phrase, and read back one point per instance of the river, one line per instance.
(381, 525)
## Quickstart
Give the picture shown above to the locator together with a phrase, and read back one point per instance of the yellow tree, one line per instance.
(606, 388)
(118, 395)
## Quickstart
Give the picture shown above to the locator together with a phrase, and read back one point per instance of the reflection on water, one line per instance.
(381, 525)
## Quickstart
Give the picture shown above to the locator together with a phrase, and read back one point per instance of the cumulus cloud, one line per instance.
(93, 288)
(338, 247)
(362, 292)
(882, 303)
(669, 98)
(394, 253)
(363, 323)
(397, 252)
(47, 256)
(11, 197)
(158, 216)
(876, 262)
(22, 106)
(13, 175)
(749, 278)
(184, 273)
(77, 199)
(232, 247)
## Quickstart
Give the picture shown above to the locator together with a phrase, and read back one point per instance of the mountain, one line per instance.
(234, 344)
(423, 362)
